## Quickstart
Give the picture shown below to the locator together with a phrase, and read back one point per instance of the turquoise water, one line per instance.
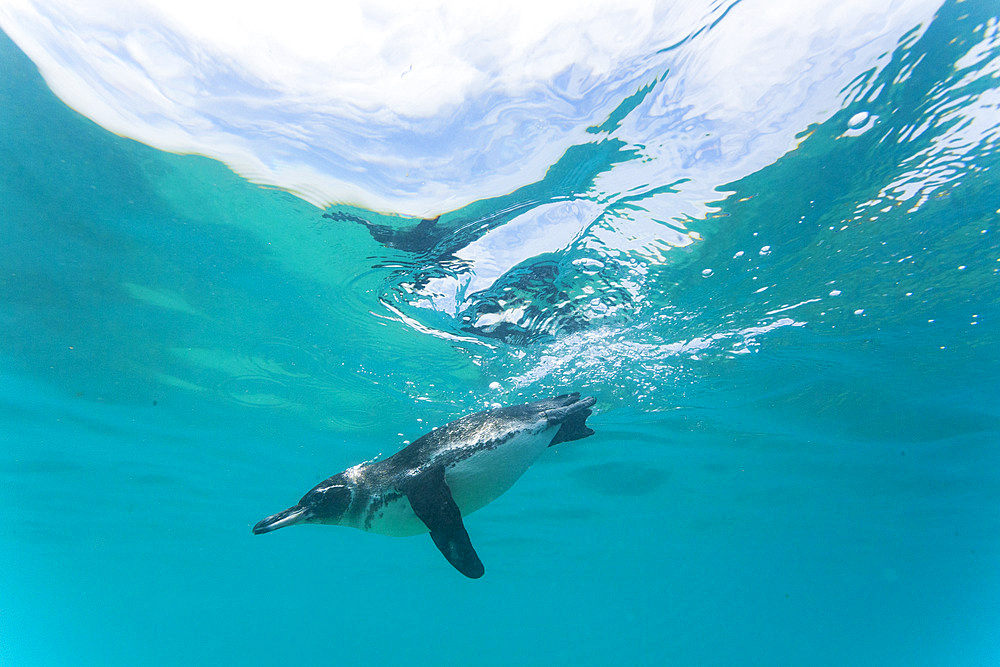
(798, 418)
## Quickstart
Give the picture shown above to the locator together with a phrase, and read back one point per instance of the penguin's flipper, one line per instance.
(431, 501)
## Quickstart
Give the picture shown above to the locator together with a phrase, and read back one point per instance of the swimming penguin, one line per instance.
(444, 475)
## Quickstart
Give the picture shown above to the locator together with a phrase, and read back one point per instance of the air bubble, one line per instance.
(707, 273)
(857, 120)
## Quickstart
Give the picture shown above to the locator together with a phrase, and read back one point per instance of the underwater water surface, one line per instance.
(794, 349)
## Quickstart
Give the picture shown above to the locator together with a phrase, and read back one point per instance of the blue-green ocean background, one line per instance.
(803, 474)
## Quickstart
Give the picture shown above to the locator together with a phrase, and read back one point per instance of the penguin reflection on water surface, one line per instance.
(444, 475)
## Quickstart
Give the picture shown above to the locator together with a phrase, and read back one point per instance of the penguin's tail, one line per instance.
(288, 517)
(573, 417)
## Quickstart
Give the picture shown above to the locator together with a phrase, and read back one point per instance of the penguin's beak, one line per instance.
(288, 517)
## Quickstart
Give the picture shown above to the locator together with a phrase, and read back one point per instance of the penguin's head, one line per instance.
(327, 503)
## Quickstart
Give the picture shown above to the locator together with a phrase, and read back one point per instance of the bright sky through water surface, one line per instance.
(422, 107)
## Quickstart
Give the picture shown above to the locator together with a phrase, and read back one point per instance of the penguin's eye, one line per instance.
(332, 501)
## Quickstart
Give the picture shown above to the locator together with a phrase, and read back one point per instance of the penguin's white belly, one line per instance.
(396, 519)
(486, 475)
(474, 482)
